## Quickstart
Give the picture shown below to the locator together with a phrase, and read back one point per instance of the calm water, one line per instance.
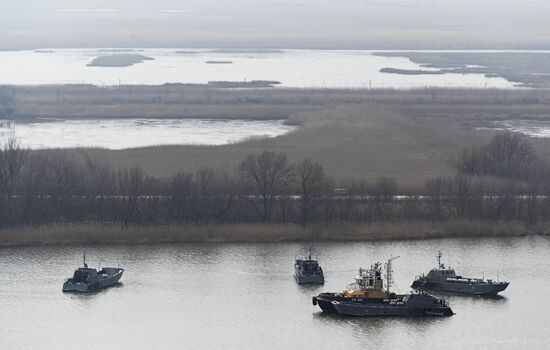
(243, 296)
(293, 68)
(129, 133)
(532, 128)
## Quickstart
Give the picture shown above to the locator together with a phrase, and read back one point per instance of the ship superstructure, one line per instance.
(308, 271)
(368, 297)
(445, 279)
(86, 279)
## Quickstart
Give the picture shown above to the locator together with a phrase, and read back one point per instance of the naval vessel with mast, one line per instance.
(367, 296)
(445, 279)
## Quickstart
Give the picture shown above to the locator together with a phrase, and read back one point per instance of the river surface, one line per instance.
(243, 296)
(131, 133)
(293, 68)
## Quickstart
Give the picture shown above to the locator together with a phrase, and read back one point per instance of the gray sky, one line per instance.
(369, 24)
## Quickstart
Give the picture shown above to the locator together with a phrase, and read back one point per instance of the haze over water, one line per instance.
(293, 68)
(243, 296)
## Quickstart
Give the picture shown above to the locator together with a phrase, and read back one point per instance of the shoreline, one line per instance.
(97, 233)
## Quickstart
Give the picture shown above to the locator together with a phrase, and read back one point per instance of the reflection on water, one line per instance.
(243, 296)
(131, 133)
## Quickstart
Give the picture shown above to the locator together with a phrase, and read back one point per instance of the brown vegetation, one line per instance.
(87, 233)
(507, 155)
(409, 135)
(58, 188)
(361, 159)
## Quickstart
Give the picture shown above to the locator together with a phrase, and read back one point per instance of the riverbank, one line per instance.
(66, 234)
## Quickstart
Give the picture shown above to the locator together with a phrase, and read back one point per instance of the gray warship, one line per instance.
(367, 297)
(446, 280)
(308, 271)
(89, 280)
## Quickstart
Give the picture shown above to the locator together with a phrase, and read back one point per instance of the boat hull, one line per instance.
(309, 279)
(488, 289)
(417, 305)
(308, 271)
(112, 278)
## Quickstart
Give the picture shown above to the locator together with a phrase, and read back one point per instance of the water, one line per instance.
(243, 296)
(129, 133)
(293, 68)
(532, 128)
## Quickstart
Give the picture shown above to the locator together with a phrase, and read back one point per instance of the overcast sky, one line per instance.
(352, 24)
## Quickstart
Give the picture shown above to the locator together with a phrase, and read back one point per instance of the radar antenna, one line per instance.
(439, 264)
(389, 273)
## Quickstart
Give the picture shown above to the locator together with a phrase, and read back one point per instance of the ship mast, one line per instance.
(439, 265)
(389, 273)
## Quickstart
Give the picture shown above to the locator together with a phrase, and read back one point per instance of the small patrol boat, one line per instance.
(367, 297)
(88, 280)
(446, 280)
(308, 271)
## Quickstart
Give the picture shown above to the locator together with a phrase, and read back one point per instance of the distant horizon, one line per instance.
(416, 49)
(306, 24)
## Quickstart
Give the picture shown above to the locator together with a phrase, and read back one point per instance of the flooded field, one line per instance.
(132, 133)
(243, 296)
(532, 128)
(292, 68)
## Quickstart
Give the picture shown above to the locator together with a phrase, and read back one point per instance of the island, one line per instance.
(219, 62)
(118, 60)
(411, 71)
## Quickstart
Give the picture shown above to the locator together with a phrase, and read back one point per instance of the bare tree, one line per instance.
(508, 155)
(99, 183)
(180, 189)
(512, 155)
(361, 190)
(313, 186)
(130, 186)
(227, 192)
(436, 191)
(12, 160)
(533, 189)
(50, 186)
(262, 178)
(63, 182)
(500, 204)
(460, 190)
(384, 191)
(202, 191)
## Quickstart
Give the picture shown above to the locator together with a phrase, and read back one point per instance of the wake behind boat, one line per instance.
(88, 280)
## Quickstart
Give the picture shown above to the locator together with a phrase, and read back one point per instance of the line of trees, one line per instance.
(507, 155)
(58, 186)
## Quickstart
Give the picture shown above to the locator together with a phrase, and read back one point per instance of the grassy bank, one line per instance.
(62, 234)
(410, 135)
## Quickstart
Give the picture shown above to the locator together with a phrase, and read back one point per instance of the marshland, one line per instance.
(203, 146)
(359, 164)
